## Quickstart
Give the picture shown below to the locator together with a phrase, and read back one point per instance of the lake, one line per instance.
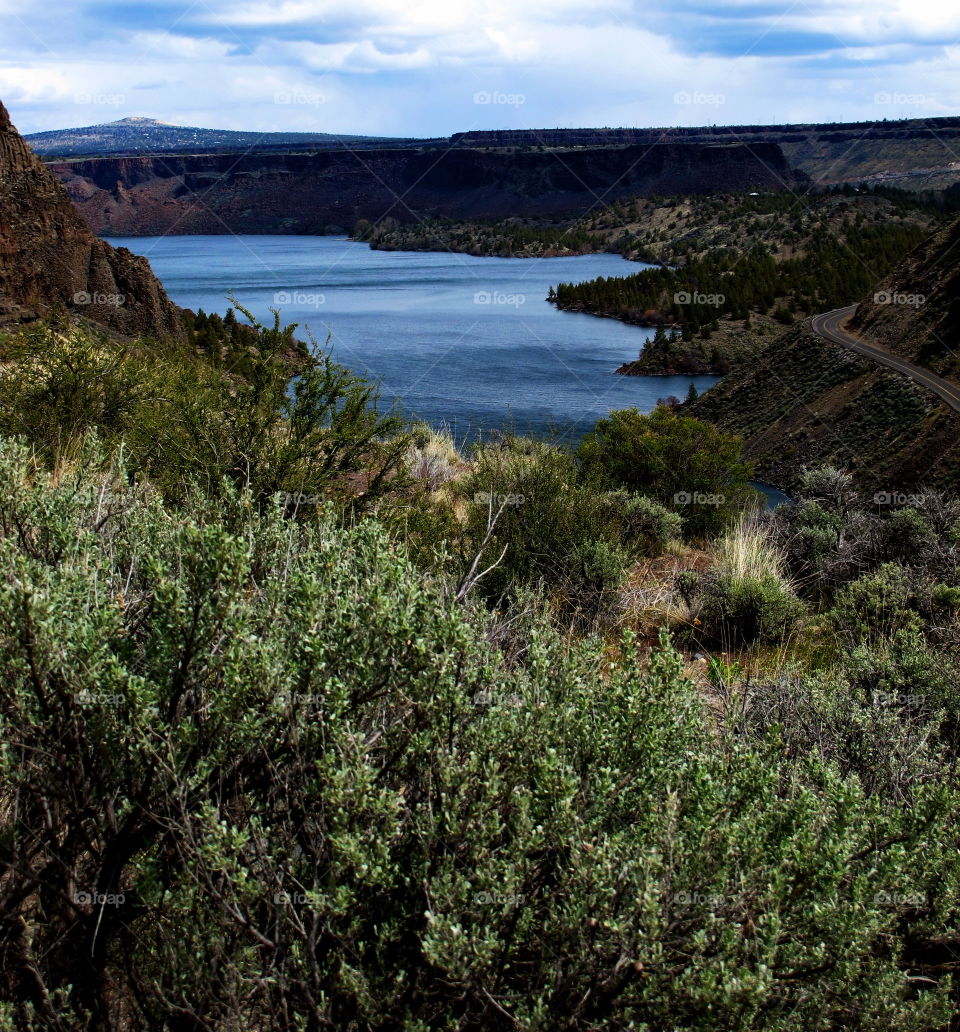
(451, 339)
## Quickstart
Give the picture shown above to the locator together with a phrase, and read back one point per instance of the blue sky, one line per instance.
(432, 67)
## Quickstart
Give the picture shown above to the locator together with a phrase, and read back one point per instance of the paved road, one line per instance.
(830, 326)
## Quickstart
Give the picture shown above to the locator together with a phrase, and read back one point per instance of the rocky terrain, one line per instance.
(331, 191)
(915, 311)
(141, 177)
(918, 154)
(51, 262)
(806, 400)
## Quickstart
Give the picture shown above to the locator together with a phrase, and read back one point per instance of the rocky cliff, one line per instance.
(50, 260)
(328, 191)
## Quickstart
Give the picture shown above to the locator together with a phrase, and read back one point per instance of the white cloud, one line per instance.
(169, 44)
(407, 68)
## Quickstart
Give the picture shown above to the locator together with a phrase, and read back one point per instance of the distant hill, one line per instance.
(146, 135)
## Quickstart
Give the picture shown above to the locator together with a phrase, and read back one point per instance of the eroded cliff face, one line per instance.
(332, 190)
(50, 260)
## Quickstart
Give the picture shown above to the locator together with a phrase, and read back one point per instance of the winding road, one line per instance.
(830, 327)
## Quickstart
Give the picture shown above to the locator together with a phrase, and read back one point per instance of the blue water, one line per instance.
(451, 339)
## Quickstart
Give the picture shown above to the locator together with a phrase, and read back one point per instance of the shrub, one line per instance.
(58, 385)
(646, 524)
(531, 513)
(305, 785)
(680, 461)
(274, 417)
(876, 605)
(297, 424)
(746, 597)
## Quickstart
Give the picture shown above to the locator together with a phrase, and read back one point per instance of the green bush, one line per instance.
(682, 462)
(275, 417)
(58, 385)
(271, 777)
(876, 605)
(529, 508)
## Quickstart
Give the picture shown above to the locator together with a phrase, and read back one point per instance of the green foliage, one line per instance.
(529, 508)
(728, 282)
(745, 598)
(56, 385)
(265, 413)
(520, 237)
(876, 605)
(270, 777)
(680, 461)
(880, 567)
(721, 673)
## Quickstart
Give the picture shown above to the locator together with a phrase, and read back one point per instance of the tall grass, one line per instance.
(747, 552)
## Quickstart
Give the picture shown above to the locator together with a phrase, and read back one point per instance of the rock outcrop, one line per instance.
(50, 261)
(330, 191)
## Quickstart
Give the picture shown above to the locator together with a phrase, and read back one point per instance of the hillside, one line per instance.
(735, 269)
(916, 153)
(806, 400)
(50, 261)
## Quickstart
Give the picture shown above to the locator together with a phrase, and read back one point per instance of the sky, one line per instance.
(433, 67)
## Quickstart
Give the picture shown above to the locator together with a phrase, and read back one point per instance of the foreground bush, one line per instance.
(270, 779)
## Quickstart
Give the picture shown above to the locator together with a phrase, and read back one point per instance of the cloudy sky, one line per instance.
(432, 67)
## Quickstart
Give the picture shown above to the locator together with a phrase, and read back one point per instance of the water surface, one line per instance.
(451, 339)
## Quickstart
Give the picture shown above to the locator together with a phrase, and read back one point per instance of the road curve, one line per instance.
(829, 326)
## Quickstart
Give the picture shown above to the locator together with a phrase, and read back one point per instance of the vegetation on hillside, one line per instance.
(835, 269)
(310, 721)
(733, 269)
